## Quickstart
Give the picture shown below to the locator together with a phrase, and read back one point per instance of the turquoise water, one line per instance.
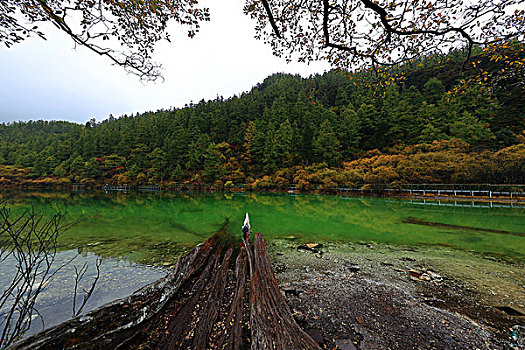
(155, 228)
(133, 231)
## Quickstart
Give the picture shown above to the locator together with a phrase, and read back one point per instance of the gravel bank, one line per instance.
(375, 296)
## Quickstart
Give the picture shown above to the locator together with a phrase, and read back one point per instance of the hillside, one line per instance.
(328, 129)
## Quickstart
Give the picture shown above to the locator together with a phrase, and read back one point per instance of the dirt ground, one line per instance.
(373, 296)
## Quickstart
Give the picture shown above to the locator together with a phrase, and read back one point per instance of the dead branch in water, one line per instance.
(28, 245)
(79, 275)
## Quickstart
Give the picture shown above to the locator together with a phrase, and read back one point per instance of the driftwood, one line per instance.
(221, 295)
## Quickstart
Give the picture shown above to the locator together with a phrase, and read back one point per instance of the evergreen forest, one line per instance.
(429, 122)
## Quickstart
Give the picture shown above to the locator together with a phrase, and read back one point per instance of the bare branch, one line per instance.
(271, 19)
(78, 277)
(28, 245)
(125, 32)
(368, 34)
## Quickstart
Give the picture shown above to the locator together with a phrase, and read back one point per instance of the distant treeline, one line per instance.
(429, 126)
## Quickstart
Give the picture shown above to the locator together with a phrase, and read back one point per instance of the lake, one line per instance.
(139, 234)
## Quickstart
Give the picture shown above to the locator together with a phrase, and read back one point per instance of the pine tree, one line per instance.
(213, 167)
(348, 131)
(283, 143)
(159, 163)
(433, 91)
(326, 145)
(270, 155)
(471, 130)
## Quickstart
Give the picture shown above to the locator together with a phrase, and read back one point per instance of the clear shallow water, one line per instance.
(132, 231)
(118, 278)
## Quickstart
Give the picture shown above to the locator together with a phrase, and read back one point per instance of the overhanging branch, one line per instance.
(271, 19)
(391, 30)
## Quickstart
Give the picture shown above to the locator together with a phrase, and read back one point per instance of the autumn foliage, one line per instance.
(436, 125)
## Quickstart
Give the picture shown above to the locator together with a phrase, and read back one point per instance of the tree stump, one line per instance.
(221, 295)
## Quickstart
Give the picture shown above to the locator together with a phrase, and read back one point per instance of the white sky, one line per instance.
(42, 79)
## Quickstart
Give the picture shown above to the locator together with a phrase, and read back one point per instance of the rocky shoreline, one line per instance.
(377, 296)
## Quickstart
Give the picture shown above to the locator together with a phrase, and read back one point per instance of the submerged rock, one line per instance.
(352, 267)
(312, 247)
(434, 275)
(292, 290)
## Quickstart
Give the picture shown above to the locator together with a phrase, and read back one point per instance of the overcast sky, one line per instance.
(51, 80)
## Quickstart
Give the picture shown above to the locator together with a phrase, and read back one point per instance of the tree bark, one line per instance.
(221, 295)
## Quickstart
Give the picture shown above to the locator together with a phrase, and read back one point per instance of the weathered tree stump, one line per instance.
(221, 295)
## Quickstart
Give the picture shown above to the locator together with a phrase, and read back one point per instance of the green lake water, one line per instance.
(133, 232)
(155, 228)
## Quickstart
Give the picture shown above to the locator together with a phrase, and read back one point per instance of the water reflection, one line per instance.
(464, 204)
(133, 231)
(118, 278)
(156, 228)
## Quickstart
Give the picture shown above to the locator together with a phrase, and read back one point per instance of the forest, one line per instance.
(432, 121)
